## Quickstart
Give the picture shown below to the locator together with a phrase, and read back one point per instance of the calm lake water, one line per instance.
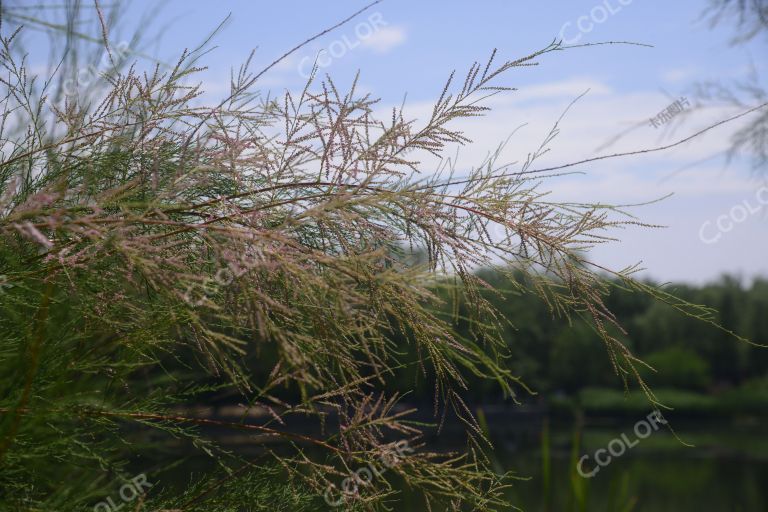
(725, 471)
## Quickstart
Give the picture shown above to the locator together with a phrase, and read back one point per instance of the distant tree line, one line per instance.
(551, 353)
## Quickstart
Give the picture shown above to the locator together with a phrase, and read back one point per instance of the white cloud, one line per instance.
(604, 115)
(564, 89)
(385, 39)
(678, 75)
(702, 188)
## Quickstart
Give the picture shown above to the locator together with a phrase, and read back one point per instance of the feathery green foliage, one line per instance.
(160, 254)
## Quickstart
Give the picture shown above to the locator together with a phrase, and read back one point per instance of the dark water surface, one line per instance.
(725, 471)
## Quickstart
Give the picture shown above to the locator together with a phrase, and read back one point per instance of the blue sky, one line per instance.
(411, 47)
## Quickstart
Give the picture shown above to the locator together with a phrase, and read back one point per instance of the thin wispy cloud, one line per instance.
(678, 75)
(385, 39)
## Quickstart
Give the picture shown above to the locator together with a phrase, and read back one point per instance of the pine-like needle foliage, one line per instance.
(155, 251)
